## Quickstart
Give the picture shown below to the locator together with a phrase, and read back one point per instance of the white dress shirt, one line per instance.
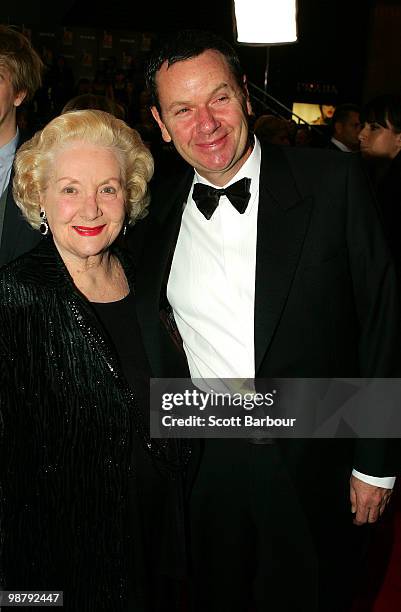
(7, 154)
(212, 283)
(211, 287)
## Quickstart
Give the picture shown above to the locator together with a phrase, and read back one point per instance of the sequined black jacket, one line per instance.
(74, 448)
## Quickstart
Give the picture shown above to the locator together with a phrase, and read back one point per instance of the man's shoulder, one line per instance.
(324, 174)
(313, 164)
(308, 155)
(11, 271)
(11, 287)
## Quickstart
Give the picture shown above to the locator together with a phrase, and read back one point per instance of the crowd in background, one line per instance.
(372, 131)
(123, 94)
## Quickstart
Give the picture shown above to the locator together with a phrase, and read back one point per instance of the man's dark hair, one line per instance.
(384, 108)
(343, 111)
(184, 45)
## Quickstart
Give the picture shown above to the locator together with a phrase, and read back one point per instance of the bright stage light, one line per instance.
(266, 22)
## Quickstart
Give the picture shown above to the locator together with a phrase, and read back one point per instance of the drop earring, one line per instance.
(44, 226)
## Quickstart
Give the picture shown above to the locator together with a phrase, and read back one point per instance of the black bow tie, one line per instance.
(207, 198)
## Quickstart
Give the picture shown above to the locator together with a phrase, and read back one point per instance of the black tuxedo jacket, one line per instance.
(18, 236)
(326, 298)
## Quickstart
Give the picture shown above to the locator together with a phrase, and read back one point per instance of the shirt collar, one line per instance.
(341, 145)
(7, 151)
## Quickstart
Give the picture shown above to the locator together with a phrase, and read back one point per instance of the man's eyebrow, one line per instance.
(219, 87)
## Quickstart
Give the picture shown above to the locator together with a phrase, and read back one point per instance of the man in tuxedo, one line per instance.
(286, 274)
(20, 77)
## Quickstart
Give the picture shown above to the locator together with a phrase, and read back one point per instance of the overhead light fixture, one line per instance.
(266, 22)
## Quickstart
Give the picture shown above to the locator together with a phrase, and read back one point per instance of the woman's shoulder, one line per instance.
(10, 272)
(24, 277)
(12, 288)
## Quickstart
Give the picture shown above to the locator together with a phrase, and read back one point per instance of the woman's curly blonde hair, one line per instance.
(34, 160)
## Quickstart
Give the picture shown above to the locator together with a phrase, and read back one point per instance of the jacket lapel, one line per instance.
(18, 236)
(283, 219)
(151, 279)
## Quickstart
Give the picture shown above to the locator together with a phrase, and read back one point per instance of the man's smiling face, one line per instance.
(204, 112)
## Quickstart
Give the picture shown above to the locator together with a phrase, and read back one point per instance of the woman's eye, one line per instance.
(108, 189)
(68, 190)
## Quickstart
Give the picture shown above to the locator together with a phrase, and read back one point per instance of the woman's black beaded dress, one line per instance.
(89, 504)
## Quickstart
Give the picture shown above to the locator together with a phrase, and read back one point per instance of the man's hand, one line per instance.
(367, 501)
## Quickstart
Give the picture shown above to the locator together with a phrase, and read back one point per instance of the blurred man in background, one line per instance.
(346, 125)
(20, 77)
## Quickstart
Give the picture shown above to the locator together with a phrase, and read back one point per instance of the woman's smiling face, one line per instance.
(84, 200)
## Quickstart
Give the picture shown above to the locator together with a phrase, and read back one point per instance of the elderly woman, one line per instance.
(86, 496)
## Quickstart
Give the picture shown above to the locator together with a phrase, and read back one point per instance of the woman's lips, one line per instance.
(88, 231)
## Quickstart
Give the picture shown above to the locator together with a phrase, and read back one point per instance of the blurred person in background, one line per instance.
(95, 102)
(380, 140)
(345, 126)
(272, 129)
(303, 136)
(20, 77)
